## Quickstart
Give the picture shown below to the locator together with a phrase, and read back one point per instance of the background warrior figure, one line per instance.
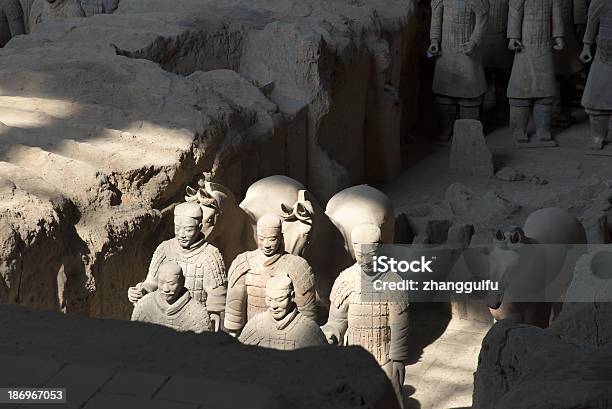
(360, 315)
(171, 304)
(457, 28)
(282, 326)
(597, 98)
(200, 261)
(49, 10)
(251, 270)
(535, 27)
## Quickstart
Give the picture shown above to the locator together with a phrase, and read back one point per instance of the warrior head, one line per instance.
(187, 224)
(280, 296)
(270, 234)
(170, 281)
(366, 240)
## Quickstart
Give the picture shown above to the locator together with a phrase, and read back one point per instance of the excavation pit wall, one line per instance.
(106, 119)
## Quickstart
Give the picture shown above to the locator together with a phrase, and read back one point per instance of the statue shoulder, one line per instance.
(216, 264)
(343, 287)
(436, 3)
(239, 267)
(479, 6)
(300, 272)
(250, 334)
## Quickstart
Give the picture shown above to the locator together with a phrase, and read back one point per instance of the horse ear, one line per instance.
(499, 235)
(286, 210)
(191, 194)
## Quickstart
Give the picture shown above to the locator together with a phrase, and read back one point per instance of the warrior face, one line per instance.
(366, 240)
(269, 234)
(187, 224)
(170, 281)
(279, 296)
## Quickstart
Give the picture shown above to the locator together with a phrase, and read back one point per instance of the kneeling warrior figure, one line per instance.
(597, 98)
(171, 304)
(360, 315)
(282, 326)
(200, 261)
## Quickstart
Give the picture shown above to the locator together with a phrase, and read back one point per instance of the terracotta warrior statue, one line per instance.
(457, 30)
(11, 20)
(251, 270)
(361, 315)
(200, 261)
(48, 10)
(597, 97)
(496, 57)
(567, 62)
(282, 326)
(535, 28)
(171, 305)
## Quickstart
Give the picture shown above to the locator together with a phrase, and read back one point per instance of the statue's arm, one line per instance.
(558, 25)
(159, 256)
(399, 323)
(481, 11)
(437, 9)
(516, 9)
(216, 291)
(305, 294)
(137, 314)
(236, 302)
(337, 323)
(592, 27)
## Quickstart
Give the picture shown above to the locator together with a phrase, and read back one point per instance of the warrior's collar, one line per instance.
(178, 305)
(364, 276)
(284, 323)
(194, 247)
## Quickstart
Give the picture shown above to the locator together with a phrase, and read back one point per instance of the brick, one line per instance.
(25, 372)
(220, 395)
(110, 401)
(81, 383)
(134, 383)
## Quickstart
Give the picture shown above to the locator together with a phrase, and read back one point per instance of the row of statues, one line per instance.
(268, 297)
(539, 40)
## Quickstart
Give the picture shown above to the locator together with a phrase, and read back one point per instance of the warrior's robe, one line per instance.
(567, 61)
(597, 97)
(186, 314)
(247, 280)
(535, 23)
(454, 23)
(292, 332)
(202, 266)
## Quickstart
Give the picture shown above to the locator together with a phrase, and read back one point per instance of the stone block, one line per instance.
(135, 383)
(26, 372)
(107, 401)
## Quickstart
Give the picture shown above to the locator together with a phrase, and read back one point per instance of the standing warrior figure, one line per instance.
(49, 10)
(457, 29)
(597, 98)
(360, 315)
(199, 260)
(496, 57)
(251, 270)
(282, 326)
(567, 61)
(171, 305)
(12, 20)
(535, 28)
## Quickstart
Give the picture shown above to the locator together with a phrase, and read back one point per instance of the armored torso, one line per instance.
(370, 312)
(292, 332)
(202, 267)
(458, 24)
(186, 314)
(537, 24)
